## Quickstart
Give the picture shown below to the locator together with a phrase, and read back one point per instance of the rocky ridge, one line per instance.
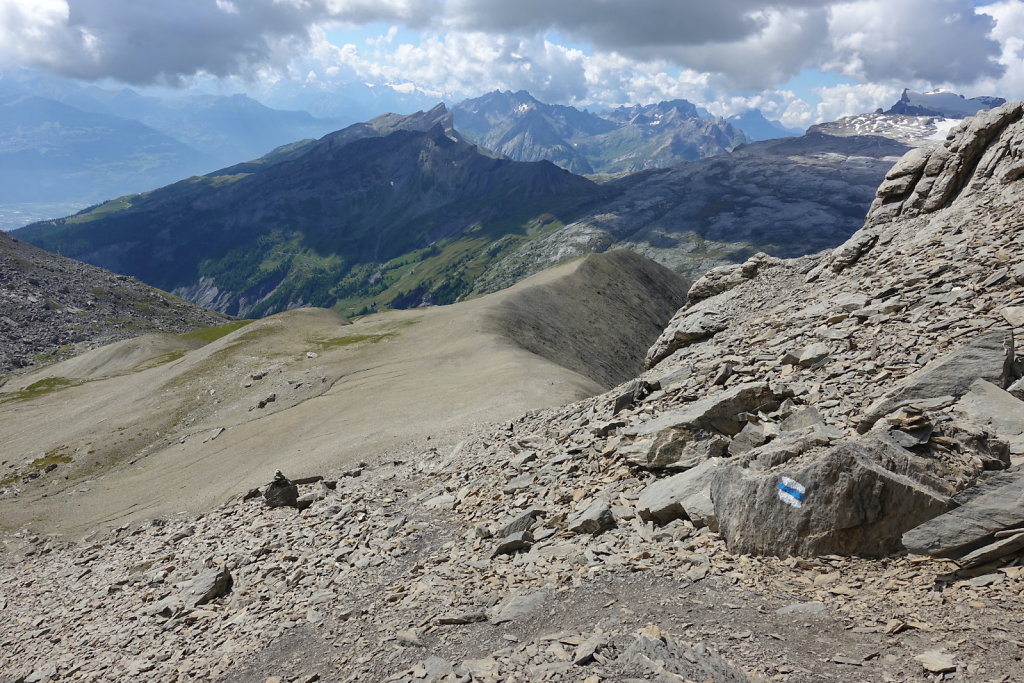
(53, 307)
(817, 407)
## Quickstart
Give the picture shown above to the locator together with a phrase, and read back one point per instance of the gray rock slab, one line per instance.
(970, 525)
(520, 540)
(524, 521)
(993, 551)
(517, 606)
(988, 357)
(596, 518)
(711, 411)
(209, 585)
(686, 495)
(1003, 413)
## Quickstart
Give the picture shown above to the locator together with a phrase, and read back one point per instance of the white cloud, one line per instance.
(938, 41)
(1009, 31)
(841, 100)
(732, 54)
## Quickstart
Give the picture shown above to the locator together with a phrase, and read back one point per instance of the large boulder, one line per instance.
(857, 497)
(686, 495)
(1000, 412)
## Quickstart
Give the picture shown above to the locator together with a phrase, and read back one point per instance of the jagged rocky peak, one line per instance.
(854, 396)
(941, 103)
(653, 114)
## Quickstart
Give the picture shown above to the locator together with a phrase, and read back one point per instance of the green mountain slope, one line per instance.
(396, 212)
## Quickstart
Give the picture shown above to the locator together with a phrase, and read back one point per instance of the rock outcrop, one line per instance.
(900, 335)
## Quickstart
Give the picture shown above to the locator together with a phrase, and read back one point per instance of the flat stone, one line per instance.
(209, 585)
(686, 495)
(517, 607)
(521, 540)
(972, 524)
(460, 618)
(524, 521)
(997, 410)
(937, 661)
(993, 551)
(595, 519)
(1013, 315)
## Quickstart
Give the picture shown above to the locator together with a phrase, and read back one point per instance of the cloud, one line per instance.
(154, 41)
(463, 64)
(1009, 32)
(640, 25)
(727, 51)
(841, 100)
(938, 41)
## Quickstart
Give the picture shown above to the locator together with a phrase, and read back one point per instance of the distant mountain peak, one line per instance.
(941, 103)
(757, 126)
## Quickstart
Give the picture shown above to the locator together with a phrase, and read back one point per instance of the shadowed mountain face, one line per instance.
(784, 197)
(393, 213)
(623, 139)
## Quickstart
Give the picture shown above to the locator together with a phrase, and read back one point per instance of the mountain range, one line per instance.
(396, 212)
(403, 211)
(64, 146)
(941, 103)
(625, 139)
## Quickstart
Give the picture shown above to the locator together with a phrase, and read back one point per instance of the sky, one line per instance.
(801, 61)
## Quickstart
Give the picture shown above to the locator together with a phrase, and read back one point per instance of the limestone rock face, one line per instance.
(686, 495)
(686, 437)
(988, 357)
(985, 147)
(969, 525)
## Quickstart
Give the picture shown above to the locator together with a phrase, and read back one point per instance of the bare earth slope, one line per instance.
(201, 425)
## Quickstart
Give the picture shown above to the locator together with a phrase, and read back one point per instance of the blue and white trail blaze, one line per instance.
(791, 492)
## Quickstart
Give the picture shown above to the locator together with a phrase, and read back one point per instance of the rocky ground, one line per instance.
(742, 511)
(53, 307)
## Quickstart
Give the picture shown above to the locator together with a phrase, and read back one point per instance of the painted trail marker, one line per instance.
(791, 492)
